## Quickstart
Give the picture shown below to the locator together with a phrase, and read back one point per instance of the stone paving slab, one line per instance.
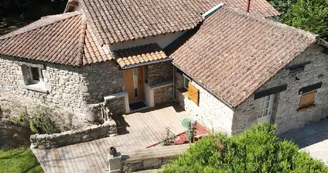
(312, 139)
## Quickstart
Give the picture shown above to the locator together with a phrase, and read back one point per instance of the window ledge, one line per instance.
(37, 87)
(115, 96)
(301, 109)
(183, 91)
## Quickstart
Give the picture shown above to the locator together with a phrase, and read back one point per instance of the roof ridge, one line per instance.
(42, 22)
(79, 60)
(271, 22)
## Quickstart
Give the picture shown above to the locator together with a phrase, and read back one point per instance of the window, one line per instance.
(35, 75)
(186, 81)
(193, 93)
(307, 100)
(308, 96)
(135, 81)
(266, 106)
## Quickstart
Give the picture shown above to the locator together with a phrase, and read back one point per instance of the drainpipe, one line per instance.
(248, 6)
(173, 90)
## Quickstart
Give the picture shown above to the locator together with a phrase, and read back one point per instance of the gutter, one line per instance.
(146, 63)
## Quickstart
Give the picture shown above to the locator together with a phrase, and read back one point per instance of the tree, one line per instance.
(310, 15)
(284, 7)
(18, 13)
(256, 150)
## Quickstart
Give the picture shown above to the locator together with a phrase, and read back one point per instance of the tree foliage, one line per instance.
(256, 150)
(309, 15)
(284, 7)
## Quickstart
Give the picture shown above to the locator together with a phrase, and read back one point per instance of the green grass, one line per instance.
(19, 160)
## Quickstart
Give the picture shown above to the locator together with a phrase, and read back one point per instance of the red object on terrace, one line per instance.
(182, 138)
(199, 132)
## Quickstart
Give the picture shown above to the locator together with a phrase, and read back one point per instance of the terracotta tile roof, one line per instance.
(259, 7)
(118, 21)
(93, 52)
(67, 39)
(140, 54)
(233, 53)
(63, 39)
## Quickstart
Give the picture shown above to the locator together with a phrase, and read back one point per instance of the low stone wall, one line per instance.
(116, 106)
(163, 94)
(48, 141)
(150, 158)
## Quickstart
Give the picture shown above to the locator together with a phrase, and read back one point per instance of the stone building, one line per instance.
(65, 69)
(121, 55)
(237, 70)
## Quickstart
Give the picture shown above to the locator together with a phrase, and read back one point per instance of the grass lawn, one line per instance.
(19, 160)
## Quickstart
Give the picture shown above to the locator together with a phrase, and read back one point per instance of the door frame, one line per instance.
(129, 84)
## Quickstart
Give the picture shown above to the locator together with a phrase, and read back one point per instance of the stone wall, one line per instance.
(210, 112)
(48, 141)
(150, 158)
(285, 114)
(116, 106)
(159, 73)
(63, 85)
(100, 80)
(68, 90)
(163, 94)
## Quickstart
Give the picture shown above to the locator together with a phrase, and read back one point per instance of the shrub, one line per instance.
(256, 150)
(43, 125)
(41, 121)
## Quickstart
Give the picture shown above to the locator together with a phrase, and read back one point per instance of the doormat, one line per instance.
(137, 105)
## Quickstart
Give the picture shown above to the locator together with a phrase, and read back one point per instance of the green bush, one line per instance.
(41, 121)
(256, 150)
(43, 125)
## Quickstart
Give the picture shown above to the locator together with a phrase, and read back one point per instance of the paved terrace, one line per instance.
(142, 130)
(312, 139)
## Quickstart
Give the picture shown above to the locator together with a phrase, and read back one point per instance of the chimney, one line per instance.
(72, 5)
(248, 6)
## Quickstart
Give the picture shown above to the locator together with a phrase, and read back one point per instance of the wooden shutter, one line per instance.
(307, 99)
(193, 93)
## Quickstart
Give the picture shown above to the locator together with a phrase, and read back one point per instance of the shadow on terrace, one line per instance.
(308, 135)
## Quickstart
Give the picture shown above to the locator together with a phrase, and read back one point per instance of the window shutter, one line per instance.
(193, 93)
(307, 99)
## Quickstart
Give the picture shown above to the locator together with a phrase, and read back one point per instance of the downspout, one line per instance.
(173, 89)
(248, 6)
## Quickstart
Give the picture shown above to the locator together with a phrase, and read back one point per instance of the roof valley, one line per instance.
(79, 59)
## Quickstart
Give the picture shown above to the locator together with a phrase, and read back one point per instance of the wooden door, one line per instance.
(134, 84)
